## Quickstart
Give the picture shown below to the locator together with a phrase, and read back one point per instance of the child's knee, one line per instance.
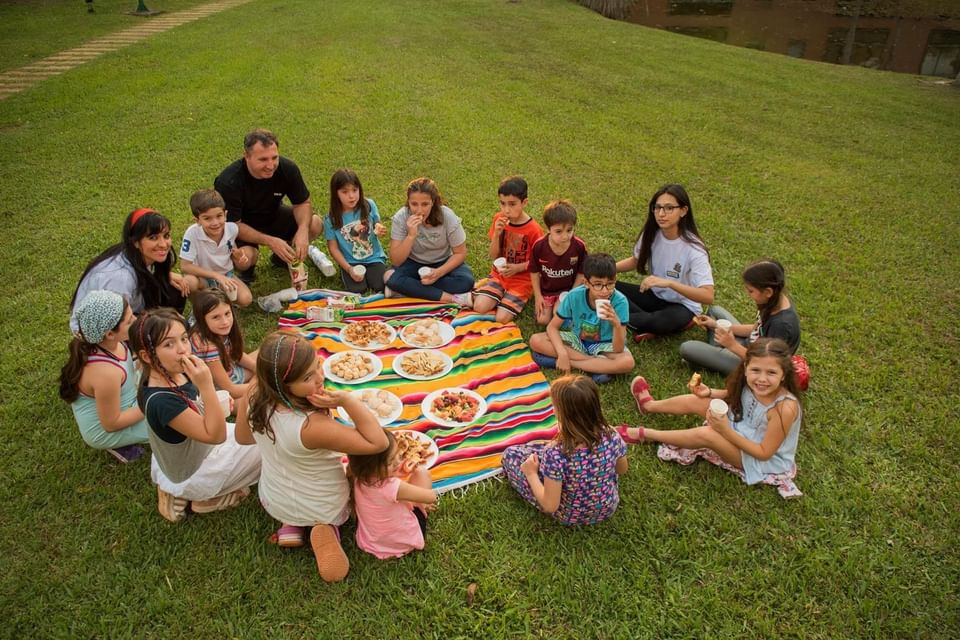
(538, 342)
(504, 316)
(483, 303)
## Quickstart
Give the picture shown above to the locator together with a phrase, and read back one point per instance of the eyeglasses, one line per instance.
(666, 208)
(602, 286)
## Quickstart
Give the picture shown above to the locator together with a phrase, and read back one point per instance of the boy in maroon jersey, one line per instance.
(556, 260)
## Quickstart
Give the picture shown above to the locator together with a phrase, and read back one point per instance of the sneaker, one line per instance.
(465, 300)
(332, 562)
(601, 378)
(248, 276)
(126, 454)
(171, 508)
(544, 361)
(220, 503)
(289, 536)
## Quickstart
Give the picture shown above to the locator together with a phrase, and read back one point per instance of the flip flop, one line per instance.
(638, 386)
(622, 430)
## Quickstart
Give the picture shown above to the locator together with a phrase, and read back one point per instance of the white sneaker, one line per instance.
(465, 300)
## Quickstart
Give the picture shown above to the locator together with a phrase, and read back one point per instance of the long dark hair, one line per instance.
(576, 400)
(284, 357)
(146, 332)
(687, 226)
(203, 302)
(79, 352)
(373, 468)
(428, 186)
(340, 179)
(766, 274)
(154, 286)
(759, 348)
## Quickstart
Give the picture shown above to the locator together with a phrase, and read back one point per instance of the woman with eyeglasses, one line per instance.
(680, 278)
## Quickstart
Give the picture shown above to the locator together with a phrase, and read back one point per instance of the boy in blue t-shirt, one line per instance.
(596, 314)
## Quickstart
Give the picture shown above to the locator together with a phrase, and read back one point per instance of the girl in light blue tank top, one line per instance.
(758, 430)
(99, 379)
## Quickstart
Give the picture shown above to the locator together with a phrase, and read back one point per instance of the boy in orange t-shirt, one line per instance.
(512, 234)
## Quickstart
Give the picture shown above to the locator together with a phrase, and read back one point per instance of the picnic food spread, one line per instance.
(423, 333)
(412, 449)
(352, 365)
(365, 333)
(455, 406)
(421, 363)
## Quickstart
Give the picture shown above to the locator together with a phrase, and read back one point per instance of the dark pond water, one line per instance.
(909, 36)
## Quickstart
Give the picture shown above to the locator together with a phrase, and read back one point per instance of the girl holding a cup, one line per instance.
(757, 426)
(353, 230)
(680, 279)
(727, 337)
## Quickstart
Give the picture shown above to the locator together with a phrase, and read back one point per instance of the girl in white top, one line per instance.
(672, 252)
(302, 483)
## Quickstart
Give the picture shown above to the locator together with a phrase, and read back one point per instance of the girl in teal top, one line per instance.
(99, 379)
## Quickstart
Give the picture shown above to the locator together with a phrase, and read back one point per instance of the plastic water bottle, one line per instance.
(269, 303)
(321, 260)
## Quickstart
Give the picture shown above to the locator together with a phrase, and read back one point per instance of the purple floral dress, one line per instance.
(590, 492)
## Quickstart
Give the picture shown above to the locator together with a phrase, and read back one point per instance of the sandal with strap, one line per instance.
(171, 508)
(622, 430)
(638, 386)
(288, 536)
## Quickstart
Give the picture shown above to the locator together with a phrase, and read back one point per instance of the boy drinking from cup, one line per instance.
(512, 235)
(596, 314)
(209, 251)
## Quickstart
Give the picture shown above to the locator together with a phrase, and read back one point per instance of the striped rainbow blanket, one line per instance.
(489, 358)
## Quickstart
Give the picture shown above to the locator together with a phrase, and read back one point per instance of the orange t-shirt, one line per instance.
(516, 245)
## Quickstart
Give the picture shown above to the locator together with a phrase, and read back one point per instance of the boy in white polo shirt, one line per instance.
(209, 250)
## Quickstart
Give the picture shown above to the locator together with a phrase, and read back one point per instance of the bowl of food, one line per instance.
(427, 333)
(453, 407)
(352, 367)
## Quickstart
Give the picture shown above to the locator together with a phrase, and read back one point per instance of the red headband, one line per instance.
(139, 213)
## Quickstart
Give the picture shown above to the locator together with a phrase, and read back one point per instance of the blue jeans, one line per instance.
(406, 280)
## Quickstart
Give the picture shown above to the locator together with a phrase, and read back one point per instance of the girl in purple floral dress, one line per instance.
(573, 478)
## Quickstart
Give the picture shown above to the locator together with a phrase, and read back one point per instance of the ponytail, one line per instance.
(79, 353)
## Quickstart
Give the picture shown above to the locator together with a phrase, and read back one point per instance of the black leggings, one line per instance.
(650, 314)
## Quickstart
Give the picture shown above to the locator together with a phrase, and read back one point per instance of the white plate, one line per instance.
(384, 420)
(447, 334)
(428, 403)
(434, 449)
(373, 346)
(447, 364)
(330, 375)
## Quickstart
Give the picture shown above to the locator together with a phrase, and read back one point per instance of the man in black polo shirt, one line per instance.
(253, 189)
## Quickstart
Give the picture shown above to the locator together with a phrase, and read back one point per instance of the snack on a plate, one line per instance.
(423, 333)
(412, 449)
(694, 381)
(421, 363)
(365, 332)
(381, 403)
(455, 406)
(352, 366)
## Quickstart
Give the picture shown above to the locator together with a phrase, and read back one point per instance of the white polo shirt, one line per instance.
(205, 252)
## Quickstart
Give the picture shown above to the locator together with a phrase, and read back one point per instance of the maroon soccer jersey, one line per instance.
(557, 273)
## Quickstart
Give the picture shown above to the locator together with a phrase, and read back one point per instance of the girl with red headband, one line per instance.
(303, 484)
(197, 463)
(139, 267)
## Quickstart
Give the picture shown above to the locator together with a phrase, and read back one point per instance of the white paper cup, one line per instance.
(718, 407)
(224, 398)
(601, 303)
(500, 264)
(424, 271)
(359, 270)
(724, 324)
(232, 294)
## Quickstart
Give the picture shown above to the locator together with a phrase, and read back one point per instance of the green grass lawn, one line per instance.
(848, 176)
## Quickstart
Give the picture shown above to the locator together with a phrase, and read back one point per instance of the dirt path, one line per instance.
(21, 79)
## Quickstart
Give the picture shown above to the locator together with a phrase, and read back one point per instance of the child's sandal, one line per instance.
(288, 536)
(332, 562)
(171, 508)
(622, 430)
(638, 386)
(220, 503)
